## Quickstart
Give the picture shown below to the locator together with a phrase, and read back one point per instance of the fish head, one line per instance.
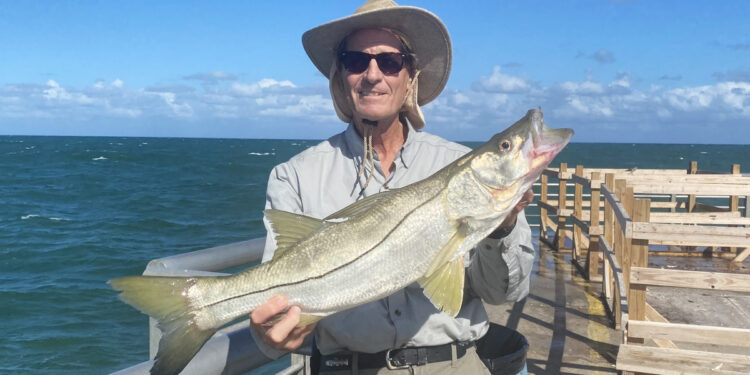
(511, 161)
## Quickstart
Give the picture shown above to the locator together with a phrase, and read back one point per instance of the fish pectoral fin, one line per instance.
(360, 206)
(290, 228)
(307, 319)
(449, 250)
(445, 288)
(304, 319)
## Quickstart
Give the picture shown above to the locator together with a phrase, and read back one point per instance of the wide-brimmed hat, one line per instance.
(424, 32)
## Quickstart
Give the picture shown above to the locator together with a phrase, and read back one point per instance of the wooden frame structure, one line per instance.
(578, 222)
(614, 227)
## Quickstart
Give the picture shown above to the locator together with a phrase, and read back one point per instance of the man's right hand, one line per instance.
(284, 334)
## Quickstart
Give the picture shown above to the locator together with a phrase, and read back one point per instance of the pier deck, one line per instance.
(563, 319)
(569, 332)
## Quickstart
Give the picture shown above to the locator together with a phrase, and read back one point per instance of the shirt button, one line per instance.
(397, 312)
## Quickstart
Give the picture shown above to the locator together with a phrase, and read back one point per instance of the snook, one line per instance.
(362, 253)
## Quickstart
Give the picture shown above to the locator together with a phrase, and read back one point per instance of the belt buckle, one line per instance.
(390, 365)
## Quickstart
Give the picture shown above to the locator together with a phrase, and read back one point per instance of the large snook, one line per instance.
(362, 253)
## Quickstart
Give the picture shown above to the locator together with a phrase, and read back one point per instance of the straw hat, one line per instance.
(424, 32)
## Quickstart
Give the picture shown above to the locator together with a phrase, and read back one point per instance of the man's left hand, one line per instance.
(510, 221)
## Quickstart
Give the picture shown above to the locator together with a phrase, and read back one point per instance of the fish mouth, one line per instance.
(546, 142)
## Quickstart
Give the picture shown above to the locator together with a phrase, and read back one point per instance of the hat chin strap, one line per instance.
(410, 107)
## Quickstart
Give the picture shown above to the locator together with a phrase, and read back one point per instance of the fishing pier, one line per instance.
(639, 271)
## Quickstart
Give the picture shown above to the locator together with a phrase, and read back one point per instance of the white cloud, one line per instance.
(258, 87)
(499, 82)
(599, 111)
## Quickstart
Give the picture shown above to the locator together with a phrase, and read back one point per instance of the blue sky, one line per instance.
(615, 71)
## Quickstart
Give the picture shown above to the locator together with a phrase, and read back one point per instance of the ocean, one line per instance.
(78, 211)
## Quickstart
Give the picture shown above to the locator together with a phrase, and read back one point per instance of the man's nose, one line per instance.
(373, 73)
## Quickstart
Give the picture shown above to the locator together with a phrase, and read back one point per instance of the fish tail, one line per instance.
(165, 299)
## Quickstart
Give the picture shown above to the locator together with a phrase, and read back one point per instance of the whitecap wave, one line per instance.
(100, 158)
(261, 153)
(53, 218)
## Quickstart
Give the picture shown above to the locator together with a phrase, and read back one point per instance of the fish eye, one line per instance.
(505, 145)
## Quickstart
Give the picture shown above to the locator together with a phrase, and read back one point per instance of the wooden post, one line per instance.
(627, 202)
(637, 295)
(734, 204)
(693, 169)
(578, 212)
(561, 207)
(543, 211)
(609, 182)
(619, 246)
(594, 255)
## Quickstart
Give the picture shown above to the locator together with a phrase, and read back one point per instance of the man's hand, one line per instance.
(528, 196)
(284, 334)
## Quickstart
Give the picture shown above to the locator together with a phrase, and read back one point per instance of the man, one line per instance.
(383, 63)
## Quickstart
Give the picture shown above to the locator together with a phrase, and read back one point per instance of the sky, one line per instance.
(613, 70)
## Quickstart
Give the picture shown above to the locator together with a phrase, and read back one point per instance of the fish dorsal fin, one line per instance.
(290, 228)
(444, 281)
(359, 206)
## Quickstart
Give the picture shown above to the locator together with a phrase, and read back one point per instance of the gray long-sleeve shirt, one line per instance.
(323, 179)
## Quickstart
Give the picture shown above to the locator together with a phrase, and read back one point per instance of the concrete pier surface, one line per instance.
(563, 320)
(567, 327)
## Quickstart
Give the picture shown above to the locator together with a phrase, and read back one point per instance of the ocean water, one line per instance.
(78, 211)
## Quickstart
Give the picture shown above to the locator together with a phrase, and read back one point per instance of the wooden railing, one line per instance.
(616, 221)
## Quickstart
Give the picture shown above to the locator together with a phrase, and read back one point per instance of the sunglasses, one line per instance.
(389, 63)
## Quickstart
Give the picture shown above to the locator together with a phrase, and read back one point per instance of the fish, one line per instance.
(362, 253)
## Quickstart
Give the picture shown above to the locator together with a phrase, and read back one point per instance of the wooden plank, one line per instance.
(679, 361)
(695, 253)
(689, 333)
(556, 173)
(699, 218)
(689, 219)
(543, 218)
(696, 234)
(664, 204)
(554, 202)
(638, 258)
(732, 179)
(579, 224)
(692, 169)
(690, 279)
(742, 256)
(653, 316)
(617, 208)
(691, 189)
(606, 249)
(577, 212)
(581, 181)
(561, 204)
(547, 206)
(633, 172)
(700, 207)
(593, 257)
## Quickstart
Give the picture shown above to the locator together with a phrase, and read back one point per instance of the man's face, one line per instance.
(375, 96)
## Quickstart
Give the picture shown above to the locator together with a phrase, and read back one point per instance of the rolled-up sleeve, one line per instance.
(499, 269)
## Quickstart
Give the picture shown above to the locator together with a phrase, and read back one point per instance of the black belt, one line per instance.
(394, 358)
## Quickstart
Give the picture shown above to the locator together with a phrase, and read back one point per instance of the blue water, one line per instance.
(78, 211)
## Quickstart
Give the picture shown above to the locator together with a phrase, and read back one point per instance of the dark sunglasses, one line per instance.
(388, 62)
